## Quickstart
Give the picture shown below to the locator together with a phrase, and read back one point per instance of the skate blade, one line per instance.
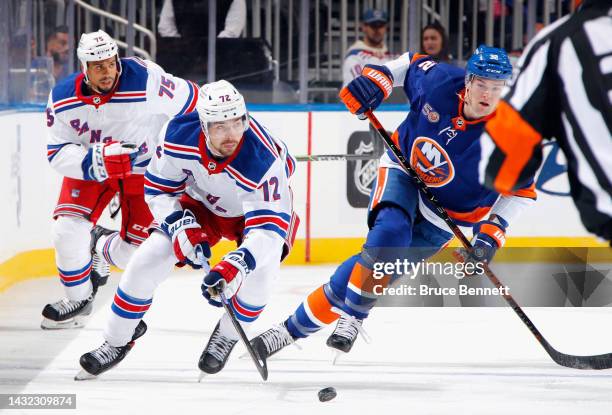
(201, 376)
(84, 375)
(72, 323)
(338, 356)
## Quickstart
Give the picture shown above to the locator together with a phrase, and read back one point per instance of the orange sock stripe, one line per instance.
(320, 307)
(363, 279)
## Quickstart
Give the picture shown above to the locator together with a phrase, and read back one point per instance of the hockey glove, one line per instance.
(368, 90)
(227, 276)
(489, 236)
(189, 241)
(112, 160)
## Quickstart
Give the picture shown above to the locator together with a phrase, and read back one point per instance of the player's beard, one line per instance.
(103, 91)
(227, 148)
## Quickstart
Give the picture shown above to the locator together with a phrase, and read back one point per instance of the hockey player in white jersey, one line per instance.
(220, 174)
(103, 124)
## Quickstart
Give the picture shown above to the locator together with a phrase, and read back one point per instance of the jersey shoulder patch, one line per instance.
(66, 88)
(134, 76)
(441, 85)
(182, 137)
(258, 153)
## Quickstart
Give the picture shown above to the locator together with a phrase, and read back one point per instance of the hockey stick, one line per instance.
(337, 157)
(260, 364)
(602, 361)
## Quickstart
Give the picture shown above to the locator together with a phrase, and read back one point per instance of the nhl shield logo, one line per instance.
(212, 165)
(361, 174)
(365, 170)
(96, 100)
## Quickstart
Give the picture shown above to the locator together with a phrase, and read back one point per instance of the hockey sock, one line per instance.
(313, 314)
(387, 241)
(115, 250)
(72, 256)
(151, 264)
(245, 314)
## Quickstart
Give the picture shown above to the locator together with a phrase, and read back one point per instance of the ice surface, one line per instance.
(421, 360)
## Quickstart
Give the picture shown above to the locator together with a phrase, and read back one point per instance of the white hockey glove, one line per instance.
(112, 160)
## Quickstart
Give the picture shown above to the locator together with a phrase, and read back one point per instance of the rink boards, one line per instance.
(330, 197)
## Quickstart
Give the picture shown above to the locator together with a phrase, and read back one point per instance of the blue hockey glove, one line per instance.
(368, 90)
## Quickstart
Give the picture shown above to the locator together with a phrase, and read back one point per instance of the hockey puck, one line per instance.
(327, 394)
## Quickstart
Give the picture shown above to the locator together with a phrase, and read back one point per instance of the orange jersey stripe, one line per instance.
(528, 192)
(516, 139)
(474, 216)
(395, 138)
(417, 56)
(381, 181)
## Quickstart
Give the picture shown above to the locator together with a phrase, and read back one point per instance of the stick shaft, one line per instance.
(336, 157)
(261, 367)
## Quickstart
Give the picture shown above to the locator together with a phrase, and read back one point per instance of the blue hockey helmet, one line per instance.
(489, 62)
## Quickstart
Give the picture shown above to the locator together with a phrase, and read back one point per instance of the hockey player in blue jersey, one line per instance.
(218, 174)
(448, 109)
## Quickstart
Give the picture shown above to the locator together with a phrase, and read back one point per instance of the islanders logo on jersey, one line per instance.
(431, 162)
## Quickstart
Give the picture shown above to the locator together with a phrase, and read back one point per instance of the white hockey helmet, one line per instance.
(220, 101)
(95, 47)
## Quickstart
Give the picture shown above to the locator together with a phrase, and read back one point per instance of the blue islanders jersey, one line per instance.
(441, 145)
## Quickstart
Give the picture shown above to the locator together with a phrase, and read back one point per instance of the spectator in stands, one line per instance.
(434, 42)
(235, 12)
(57, 49)
(183, 33)
(371, 49)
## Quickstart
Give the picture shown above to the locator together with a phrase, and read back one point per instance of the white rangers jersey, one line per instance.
(144, 98)
(360, 55)
(252, 183)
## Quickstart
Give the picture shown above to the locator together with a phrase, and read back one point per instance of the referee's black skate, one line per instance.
(215, 353)
(272, 341)
(106, 356)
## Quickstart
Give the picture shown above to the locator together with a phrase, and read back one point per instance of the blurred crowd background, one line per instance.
(275, 51)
